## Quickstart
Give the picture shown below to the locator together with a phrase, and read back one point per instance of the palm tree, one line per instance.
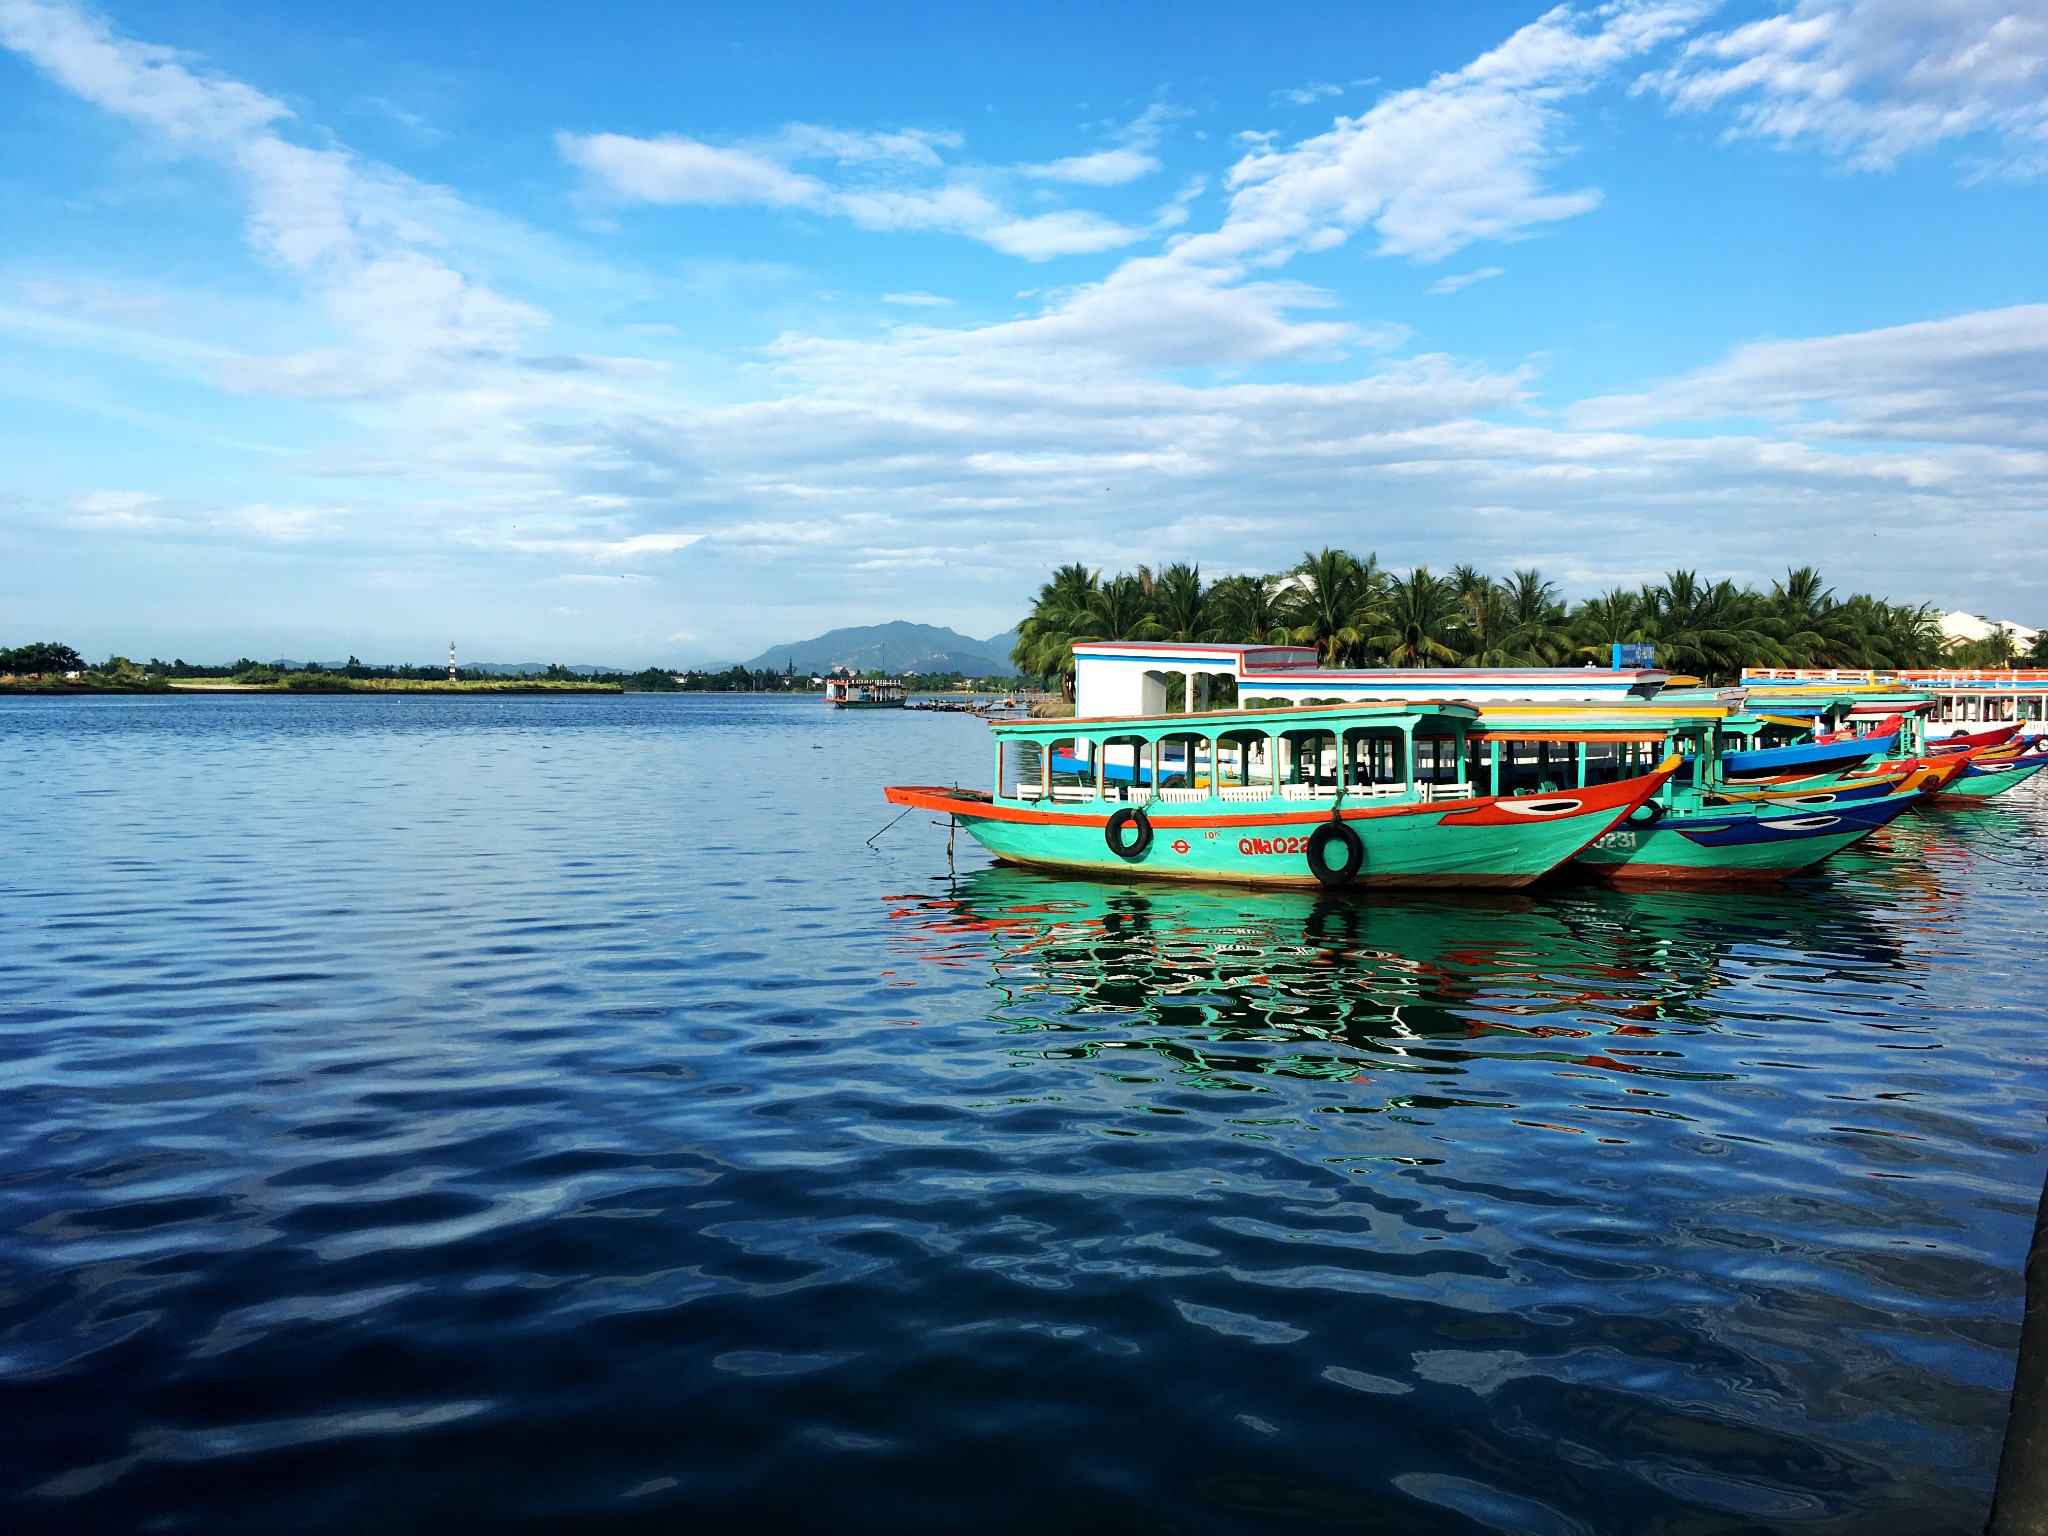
(1181, 606)
(1714, 629)
(1489, 624)
(1540, 634)
(1601, 623)
(1120, 610)
(1997, 649)
(1468, 581)
(1421, 621)
(1249, 611)
(1811, 627)
(1906, 637)
(1333, 602)
(1045, 639)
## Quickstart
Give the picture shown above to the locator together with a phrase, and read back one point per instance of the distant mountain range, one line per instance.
(895, 647)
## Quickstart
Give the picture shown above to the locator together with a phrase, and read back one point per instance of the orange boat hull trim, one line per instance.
(1479, 843)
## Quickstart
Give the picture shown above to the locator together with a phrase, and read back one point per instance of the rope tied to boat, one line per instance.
(892, 822)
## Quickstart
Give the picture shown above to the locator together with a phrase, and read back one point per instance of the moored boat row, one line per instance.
(1304, 782)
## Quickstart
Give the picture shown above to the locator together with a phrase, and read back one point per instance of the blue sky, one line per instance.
(646, 332)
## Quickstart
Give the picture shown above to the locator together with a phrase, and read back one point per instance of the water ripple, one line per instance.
(430, 1114)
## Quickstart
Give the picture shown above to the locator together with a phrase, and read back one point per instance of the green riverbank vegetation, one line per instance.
(1357, 614)
(51, 667)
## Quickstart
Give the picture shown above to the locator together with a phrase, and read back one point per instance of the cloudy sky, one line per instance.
(624, 332)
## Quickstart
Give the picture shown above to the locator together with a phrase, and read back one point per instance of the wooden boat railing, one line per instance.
(1423, 790)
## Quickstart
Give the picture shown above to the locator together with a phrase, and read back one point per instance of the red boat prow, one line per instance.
(1997, 736)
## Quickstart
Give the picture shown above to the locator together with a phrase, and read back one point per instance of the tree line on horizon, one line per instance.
(1357, 614)
(48, 658)
(51, 659)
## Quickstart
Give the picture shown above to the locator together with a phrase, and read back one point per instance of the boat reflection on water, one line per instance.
(1640, 1210)
(1586, 978)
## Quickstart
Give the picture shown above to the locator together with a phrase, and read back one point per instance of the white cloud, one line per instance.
(1457, 280)
(646, 544)
(1129, 418)
(887, 182)
(1073, 232)
(1308, 95)
(680, 171)
(1875, 79)
(96, 302)
(138, 80)
(807, 141)
(1433, 169)
(284, 525)
(1976, 378)
(677, 170)
(366, 239)
(143, 512)
(1104, 168)
(132, 510)
(916, 300)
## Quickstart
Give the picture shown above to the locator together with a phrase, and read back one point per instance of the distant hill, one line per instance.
(897, 647)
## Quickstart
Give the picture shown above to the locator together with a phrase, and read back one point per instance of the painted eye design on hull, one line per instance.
(1540, 807)
(1805, 823)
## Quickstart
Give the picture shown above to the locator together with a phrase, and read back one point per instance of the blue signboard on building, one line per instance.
(1631, 658)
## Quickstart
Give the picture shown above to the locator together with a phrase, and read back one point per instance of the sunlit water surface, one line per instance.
(429, 1114)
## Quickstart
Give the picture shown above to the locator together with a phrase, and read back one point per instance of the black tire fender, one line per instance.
(1648, 814)
(1113, 833)
(1319, 848)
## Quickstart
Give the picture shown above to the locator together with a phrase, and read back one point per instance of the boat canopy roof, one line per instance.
(1444, 714)
(1615, 720)
(1809, 702)
(1935, 680)
(1494, 720)
(1130, 678)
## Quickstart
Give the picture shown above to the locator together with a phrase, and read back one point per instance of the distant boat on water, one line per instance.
(864, 693)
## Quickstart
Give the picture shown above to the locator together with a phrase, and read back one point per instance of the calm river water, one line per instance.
(427, 1115)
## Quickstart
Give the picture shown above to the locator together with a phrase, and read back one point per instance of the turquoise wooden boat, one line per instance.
(1330, 795)
(1702, 829)
(1991, 773)
(1693, 843)
(1809, 758)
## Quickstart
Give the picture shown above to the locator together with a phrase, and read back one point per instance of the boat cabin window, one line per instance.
(1129, 767)
(1436, 759)
(1070, 768)
(1184, 762)
(1374, 755)
(1309, 758)
(1244, 762)
(1020, 769)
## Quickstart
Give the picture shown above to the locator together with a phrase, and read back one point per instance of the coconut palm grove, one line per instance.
(1357, 614)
